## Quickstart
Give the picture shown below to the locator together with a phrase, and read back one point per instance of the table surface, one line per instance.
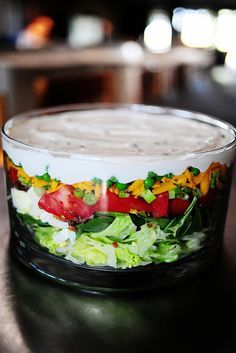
(123, 54)
(198, 316)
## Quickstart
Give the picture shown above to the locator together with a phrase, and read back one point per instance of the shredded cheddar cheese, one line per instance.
(89, 186)
(162, 187)
(136, 188)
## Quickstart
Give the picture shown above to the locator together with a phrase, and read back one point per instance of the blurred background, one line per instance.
(175, 53)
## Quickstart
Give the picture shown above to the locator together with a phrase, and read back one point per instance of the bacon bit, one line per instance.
(115, 244)
(72, 228)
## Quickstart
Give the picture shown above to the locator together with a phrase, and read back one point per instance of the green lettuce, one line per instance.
(166, 252)
(44, 236)
(119, 229)
(57, 241)
(126, 256)
(113, 240)
(193, 241)
(92, 252)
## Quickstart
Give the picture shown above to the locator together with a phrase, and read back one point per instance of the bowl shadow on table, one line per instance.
(192, 317)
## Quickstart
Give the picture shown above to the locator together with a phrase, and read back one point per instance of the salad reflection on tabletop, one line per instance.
(198, 316)
(66, 320)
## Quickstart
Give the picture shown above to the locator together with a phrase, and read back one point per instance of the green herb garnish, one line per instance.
(90, 199)
(194, 171)
(46, 177)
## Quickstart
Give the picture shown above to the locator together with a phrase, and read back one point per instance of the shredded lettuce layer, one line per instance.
(115, 240)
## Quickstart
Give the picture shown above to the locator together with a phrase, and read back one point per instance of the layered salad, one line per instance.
(119, 189)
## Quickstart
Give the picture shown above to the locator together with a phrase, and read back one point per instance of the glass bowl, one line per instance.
(117, 197)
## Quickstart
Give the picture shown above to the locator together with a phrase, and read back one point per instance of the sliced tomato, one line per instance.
(113, 203)
(160, 205)
(12, 175)
(178, 206)
(110, 202)
(63, 204)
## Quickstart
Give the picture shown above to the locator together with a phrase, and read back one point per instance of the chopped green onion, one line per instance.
(172, 194)
(97, 181)
(194, 171)
(178, 192)
(152, 174)
(79, 193)
(123, 194)
(212, 183)
(197, 192)
(169, 175)
(121, 186)
(90, 199)
(24, 182)
(148, 196)
(46, 177)
(111, 181)
(186, 190)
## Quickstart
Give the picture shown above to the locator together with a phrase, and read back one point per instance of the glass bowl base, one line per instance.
(108, 279)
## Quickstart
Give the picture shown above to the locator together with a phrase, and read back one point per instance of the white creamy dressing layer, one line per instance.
(120, 142)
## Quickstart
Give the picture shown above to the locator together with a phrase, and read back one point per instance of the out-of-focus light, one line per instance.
(198, 28)
(224, 76)
(85, 31)
(230, 60)
(131, 51)
(225, 30)
(158, 33)
(177, 18)
(36, 35)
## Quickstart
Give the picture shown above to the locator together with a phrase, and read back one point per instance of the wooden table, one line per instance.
(128, 61)
(38, 316)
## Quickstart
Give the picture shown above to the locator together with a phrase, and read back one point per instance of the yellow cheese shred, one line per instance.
(136, 188)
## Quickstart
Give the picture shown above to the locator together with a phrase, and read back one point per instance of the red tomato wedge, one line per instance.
(110, 202)
(12, 175)
(160, 205)
(178, 206)
(65, 205)
(62, 203)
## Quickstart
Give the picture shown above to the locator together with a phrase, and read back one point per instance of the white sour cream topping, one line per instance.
(122, 142)
(122, 132)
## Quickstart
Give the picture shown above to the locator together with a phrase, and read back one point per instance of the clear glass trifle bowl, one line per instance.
(117, 197)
